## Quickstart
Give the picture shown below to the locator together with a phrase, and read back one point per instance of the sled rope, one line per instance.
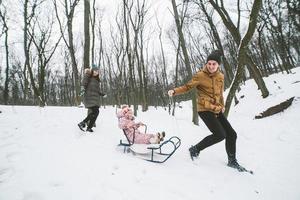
(171, 103)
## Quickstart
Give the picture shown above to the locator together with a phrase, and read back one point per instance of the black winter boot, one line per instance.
(89, 129)
(193, 152)
(232, 162)
(81, 125)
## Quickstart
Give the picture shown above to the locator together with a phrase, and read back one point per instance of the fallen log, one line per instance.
(275, 109)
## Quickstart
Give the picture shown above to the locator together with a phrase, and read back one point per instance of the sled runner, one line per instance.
(157, 153)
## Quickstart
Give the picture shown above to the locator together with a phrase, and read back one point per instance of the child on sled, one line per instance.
(130, 127)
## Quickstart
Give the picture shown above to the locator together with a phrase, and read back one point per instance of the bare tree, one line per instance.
(41, 34)
(27, 17)
(130, 54)
(237, 38)
(69, 9)
(86, 50)
(93, 25)
(280, 34)
(164, 64)
(138, 24)
(263, 50)
(2, 29)
(117, 57)
(186, 60)
(217, 39)
(3, 17)
(242, 52)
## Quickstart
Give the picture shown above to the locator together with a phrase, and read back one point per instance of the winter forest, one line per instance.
(162, 116)
(46, 44)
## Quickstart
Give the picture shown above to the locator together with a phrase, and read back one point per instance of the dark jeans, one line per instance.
(221, 129)
(92, 116)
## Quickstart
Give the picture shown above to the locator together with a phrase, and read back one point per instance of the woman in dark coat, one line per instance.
(91, 97)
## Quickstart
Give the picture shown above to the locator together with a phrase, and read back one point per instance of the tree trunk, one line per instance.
(143, 76)
(33, 85)
(69, 13)
(263, 52)
(26, 49)
(242, 53)
(130, 61)
(93, 22)
(86, 54)
(72, 53)
(228, 69)
(27, 43)
(255, 72)
(237, 38)
(6, 83)
(186, 61)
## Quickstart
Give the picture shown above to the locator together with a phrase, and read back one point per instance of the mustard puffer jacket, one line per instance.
(210, 87)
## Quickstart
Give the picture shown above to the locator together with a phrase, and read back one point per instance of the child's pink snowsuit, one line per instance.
(127, 123)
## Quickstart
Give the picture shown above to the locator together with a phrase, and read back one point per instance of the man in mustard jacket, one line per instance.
(209, 83)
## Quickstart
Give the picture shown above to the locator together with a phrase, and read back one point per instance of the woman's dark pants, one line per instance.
(92, 116)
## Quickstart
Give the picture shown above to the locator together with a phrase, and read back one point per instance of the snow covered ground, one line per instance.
(44, 156)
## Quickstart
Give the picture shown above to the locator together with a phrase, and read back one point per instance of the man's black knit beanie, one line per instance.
(215, 55)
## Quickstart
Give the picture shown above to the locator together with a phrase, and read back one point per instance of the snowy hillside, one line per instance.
(44, 156)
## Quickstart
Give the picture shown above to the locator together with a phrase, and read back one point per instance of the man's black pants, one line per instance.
(221, 129)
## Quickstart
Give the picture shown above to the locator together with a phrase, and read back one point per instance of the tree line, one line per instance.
(43, 64)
